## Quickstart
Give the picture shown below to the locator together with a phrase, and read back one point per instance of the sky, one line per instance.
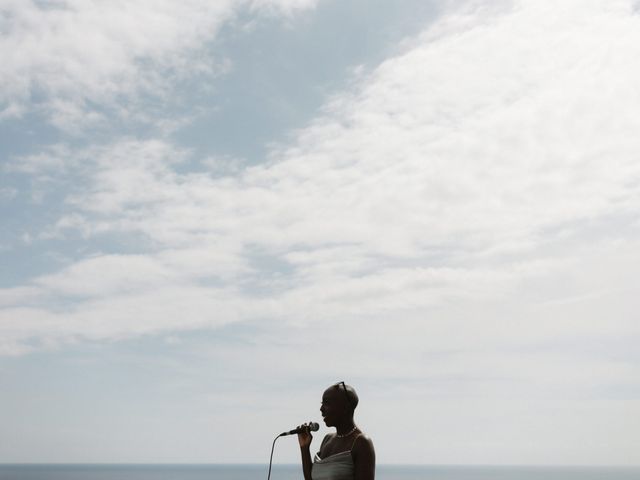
(211, 211)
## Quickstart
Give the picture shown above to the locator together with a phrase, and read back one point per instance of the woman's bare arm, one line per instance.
(364, 458)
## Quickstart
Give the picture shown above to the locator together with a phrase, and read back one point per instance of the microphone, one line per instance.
(312, 427)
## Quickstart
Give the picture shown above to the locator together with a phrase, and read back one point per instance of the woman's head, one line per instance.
(338, 404)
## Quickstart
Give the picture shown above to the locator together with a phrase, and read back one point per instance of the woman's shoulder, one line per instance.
(362, 436)
(362, 444)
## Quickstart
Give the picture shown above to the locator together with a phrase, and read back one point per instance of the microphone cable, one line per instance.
(273, 445)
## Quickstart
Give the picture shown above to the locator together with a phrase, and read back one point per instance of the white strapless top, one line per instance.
(338, 466)
(335, 467)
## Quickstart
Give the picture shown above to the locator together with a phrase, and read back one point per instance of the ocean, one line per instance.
(293, 472)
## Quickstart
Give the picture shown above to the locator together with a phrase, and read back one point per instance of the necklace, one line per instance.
(348, 433)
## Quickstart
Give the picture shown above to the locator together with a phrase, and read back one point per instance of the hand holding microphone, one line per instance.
(304, 433)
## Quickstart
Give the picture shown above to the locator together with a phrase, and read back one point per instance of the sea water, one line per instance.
(294, 472)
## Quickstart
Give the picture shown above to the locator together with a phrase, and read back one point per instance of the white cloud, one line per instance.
(470, 164)
(75, 60)
(8, 193)
(279, 6)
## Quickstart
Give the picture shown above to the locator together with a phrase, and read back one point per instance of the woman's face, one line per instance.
(333, 406)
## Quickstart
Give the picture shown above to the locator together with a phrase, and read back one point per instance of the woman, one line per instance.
(347, 454)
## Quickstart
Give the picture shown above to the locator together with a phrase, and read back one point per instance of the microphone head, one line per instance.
(314, 427)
